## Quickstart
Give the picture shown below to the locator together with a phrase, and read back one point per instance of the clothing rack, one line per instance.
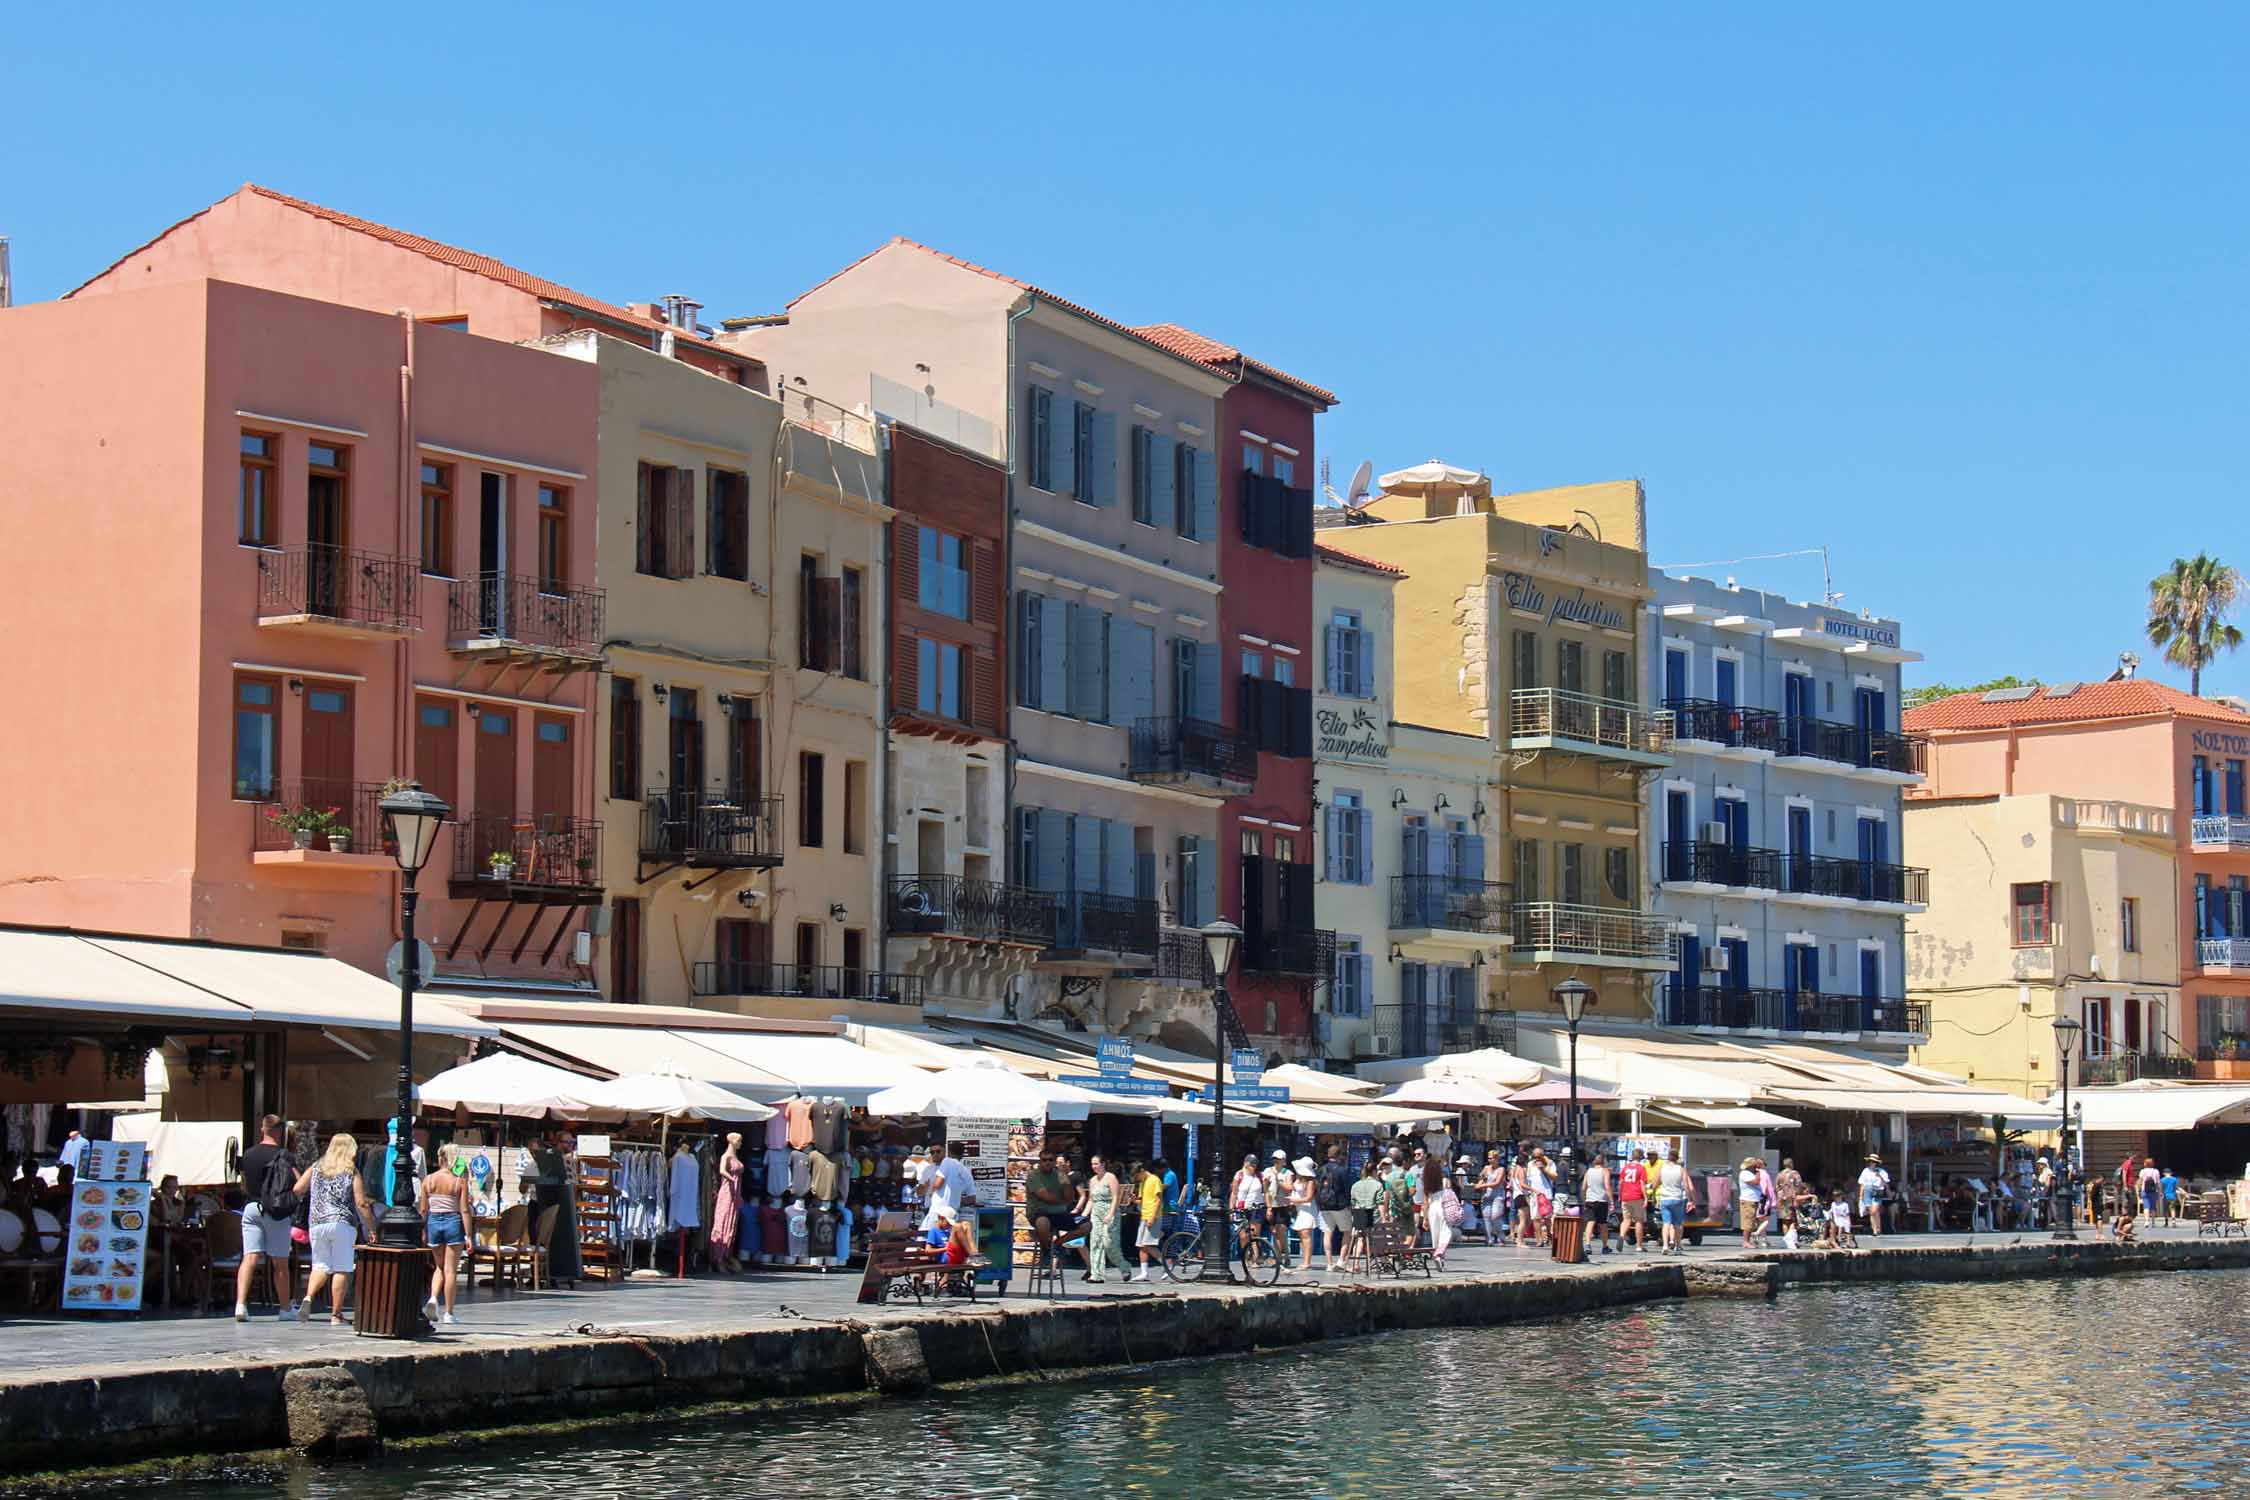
(610, 1210)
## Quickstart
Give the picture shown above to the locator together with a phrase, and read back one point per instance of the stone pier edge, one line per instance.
(108, 1417)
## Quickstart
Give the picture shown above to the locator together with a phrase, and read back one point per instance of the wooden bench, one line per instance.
(2215, 1216)
(901, 1265)
(1393, 1251)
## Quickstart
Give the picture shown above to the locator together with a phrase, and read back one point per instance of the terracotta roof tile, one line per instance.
(2129, 698)
(1206, 350)
(1357, 560)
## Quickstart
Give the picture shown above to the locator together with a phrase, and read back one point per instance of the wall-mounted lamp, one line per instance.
(1398, 796)
(1442, 803)
(921, 368)
(1478, 811)
(726, 703)
(476, 710)
(838, 910)
(659, 691)
(1395, 954)
(296, 687)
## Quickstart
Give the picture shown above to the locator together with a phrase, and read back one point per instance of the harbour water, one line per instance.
(2120, 1386)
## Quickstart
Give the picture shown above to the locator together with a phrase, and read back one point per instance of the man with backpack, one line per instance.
(1333, 1195)
(269, 1212)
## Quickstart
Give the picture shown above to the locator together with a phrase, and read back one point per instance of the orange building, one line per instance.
(2128, 741)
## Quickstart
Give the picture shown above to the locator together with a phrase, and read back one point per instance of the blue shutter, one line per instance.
(1332, 862)
(1085, 853)
(1206, 496)
(1062, 444)
(1206, 881)
(1118, 871)
(1472, 857)
(1365, 843)
(1331, 676)
(1051, 840)
(1120, 672)
(1363, 664)
(1053, 665)
(1038, 413)
(1363, 989)
(1101, 464)
(1163, 481)
(1136, 688)
(1206, 682)
(1089, 662)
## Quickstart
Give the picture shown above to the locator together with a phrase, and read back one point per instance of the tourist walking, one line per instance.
(726, 1210)
(1594, 1191)
(2170, 1186)
(1151, 1236)
(1539, 1187)
(1304, 1212)
(446, 1201)
(1749, 1206)
(1632, 1200)
(1333, 1196)
(1246, 1201)
(1874, 1186)
(2152, 1192)
(336, 1204)
(1492, 1197)
(1441, 1210)
(269, 1212)
(1788, 1193)
(1367, 1201)
(1671, 1202)
(1101, 1220)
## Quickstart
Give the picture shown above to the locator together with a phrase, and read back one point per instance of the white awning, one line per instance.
(2021, 1114)
(616, 1050)
(58, 972)
(1726, 1119)
(809, 1065)
(2155, 1106)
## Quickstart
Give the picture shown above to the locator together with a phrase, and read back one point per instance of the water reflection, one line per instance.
(2120, 1387)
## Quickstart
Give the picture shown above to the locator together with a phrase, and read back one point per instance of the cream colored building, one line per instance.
(2102, 944)
(740, 546)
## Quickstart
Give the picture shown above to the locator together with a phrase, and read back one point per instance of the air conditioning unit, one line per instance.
(1716, 833)
(1373, 1044)
(1714, 960)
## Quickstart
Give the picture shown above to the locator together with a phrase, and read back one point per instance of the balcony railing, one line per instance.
(1544, 717)
(1854, 880)
(1421, 1031)
(1849, 745)
(962, 907)
(1450, 903)
(1176, 748)
(1761, 1009)
(710, 830)
(1723, 864)
(2218, 831)
(1309, 953)
(1090, 922)
(339, 584)
(2129, 1067)
(521, 610)
(812, 981)
(352, 807)
(2223, 952)
(1182, 958)
(1593, 933)
(542, 850)
(1712, 722)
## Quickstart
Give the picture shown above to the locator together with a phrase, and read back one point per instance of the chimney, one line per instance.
(681, 311)
(2128, 662)
(7, 298)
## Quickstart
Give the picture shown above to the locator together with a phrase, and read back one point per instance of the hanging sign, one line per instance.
(1249, 1065)
(113, 1161)
(1114, 1054)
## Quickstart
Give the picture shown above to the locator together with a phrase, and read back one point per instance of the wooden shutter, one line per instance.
(1300, 722)
(683, 509)
(1365, 846)
(1164, 482)
(906, 673)
(984, 582)
(906, 561)
(827, 623)
(1101, 463)
(644, 522)
(1062, 445)
(1206, 880)
(1259, 915)
(984, 690)
(1206, 496)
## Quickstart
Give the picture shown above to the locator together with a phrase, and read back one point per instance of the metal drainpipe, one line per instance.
(882, 769)
(1008, 873)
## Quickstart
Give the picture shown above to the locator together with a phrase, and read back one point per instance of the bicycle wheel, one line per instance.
(1262, 1261)
(1183, 1256)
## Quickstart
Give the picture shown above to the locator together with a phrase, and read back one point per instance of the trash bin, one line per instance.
(393, 1284)
(1566, 1234)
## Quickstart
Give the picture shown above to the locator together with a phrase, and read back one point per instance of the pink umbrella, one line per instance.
(1557, 1091)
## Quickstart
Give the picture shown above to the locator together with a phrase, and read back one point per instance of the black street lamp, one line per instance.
(1219, 940)
(2067, 1030)
(1574, 995)
(412, 818)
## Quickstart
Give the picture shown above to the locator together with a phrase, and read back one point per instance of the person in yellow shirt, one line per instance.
(1152, 1220)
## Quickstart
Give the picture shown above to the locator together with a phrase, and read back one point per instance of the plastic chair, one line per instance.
(509, 1250)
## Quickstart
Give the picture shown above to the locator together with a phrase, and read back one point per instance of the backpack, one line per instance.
(277, 1195)
(1449, 1203)
(1334, 1193)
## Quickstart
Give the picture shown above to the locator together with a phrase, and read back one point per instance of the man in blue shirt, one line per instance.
(2171, 1186)
(1171, 1181)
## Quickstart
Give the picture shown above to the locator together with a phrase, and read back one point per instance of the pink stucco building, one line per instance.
(264, 555)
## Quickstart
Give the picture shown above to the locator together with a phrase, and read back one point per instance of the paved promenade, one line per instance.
(52, 1345)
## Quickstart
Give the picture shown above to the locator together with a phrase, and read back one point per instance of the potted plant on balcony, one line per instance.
(502, 863)
(303, 821)
(339, 837)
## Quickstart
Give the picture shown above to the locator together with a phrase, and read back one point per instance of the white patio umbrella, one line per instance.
(505, 1084)
(992, 1090)
(1445, 1092)
(1557, 1091)
(674, 1096)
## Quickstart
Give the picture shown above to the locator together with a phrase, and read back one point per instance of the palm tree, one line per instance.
(2187, 613)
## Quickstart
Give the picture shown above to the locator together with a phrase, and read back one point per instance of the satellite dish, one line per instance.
(1357, 495)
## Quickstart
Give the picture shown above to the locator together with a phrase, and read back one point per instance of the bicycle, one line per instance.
(1183, 1256)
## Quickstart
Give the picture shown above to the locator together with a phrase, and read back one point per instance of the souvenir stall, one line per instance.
(636, 1195)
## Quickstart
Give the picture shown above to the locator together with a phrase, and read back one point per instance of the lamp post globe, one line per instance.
(412, 819)
(1220, 940)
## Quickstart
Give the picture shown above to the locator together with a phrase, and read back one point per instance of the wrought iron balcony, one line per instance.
(1551, 719)
(1615, 936)
(1451, 903)
(709, 830)
(2129, 1067)
(513, 610)
(534, 857)
(1849, 745)
(2218, 831)
(1088, 923)
(337, 590)
(354, 821)
(1426, 1030)
(2223, 952)
(1762, 1009)
(1844, 879)
(1722, 864)
(961, 907)
(1194, 753)
(1182, 958)
(1710, 722)
(809, 981)
(1309, 953)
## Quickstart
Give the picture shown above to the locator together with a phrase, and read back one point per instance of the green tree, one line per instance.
(2187, 613)
(1916, 697)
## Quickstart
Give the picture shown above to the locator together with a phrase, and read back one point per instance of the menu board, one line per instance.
(114, 1161)
(981, 1144)
(105, 1245)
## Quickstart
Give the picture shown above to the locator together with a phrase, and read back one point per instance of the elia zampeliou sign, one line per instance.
(1350, 731)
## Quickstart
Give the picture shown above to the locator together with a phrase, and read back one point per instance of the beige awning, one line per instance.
(1723, 1119)
(2155, 1106)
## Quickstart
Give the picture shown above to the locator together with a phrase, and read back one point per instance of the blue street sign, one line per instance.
(1114, 1054)
(1249, 1065)
(1110, 1083)
(1246, 1094)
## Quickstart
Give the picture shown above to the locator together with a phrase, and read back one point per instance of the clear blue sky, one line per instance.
(1956, 290)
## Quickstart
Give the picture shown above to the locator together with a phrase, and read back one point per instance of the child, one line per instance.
(1838, 1235)
(2122, 1229)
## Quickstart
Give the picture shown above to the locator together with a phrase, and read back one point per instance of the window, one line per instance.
(1347, 995)
(1040, 418)
(1284, 848)
(260, 522)
(1348, 655)
(939, 687)
(1347, 840)
(456, 323)
(1573, 873)
(855, 807)
(624, 739)
(1253, 461)
(1030, 610)
(1082, 481)
(811, 779)
(1828, 695)
(1570, 666)
(1527, 870)
(1285, 670)
(1527, 660)
(808, 953)
(820, 617)
(625, 950)
(1284, 470)
(2034, 920)
(2129, 925)
(855, 961)
(1253, 844)
(665, 517)
(257, 765)
(729, 496)
(554, 539)
(1617, 874)
(1144, 476)
(1253, 665)
(437, 749)
(853, 595)
(1195, 492)
(437, 519)
(1615, 672)
(944, 586)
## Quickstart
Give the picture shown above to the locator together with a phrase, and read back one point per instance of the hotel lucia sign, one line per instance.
(1348, 731)
(1525, 594)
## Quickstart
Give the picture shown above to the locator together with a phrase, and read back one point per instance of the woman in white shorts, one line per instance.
(331, 1190)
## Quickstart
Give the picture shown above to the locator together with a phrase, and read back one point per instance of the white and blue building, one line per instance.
(1773, 839)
